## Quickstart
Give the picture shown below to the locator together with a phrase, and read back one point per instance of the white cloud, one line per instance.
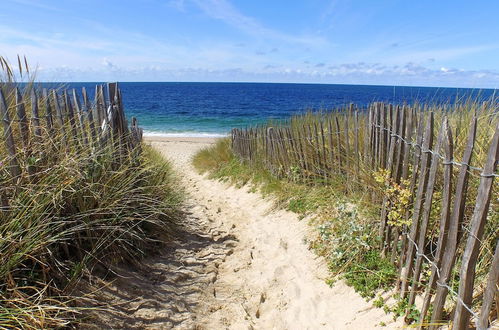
(354, 73)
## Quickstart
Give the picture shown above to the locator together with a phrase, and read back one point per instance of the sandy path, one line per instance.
(238, 265)
(269, 280)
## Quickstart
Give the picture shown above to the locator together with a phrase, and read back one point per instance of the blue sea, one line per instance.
(212, 109)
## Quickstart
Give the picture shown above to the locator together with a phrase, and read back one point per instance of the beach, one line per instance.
(244, 265)
(225, 164)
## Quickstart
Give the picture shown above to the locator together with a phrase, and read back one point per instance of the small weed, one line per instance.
(400, 308)
(379, 302)
(330, 281)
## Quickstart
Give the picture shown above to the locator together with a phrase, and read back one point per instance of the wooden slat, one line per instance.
(281, 161)
(90, 115)
(310, 150)
(60, 117)
(449, 255)
(425, 216)
(105, 111)
(302, 147)
(412, 186)
(331, 146)
(80, 116)
(383, 135)
(356, 144)
(285, 151)
(338, 142)
(270, 149)
(71, 115)
(48, 112)
(324, 152)
(396, 169)
(376, 135)
(10, 144)
(477, 225)
(58, 110)
(423, 180)
(112, 90)
(368, 137)
(490, 292)
(98, 109)
(23, 120)
(122, 124)
(35, 118)
(448, 149)
(347, 144)
(24, 130)
(385, 204)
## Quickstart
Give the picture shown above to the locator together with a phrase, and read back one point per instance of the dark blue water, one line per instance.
(198, 109)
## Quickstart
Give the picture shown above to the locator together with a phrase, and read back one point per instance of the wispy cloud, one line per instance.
(224, 11)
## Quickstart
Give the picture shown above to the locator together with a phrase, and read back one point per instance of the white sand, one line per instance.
(262, 276)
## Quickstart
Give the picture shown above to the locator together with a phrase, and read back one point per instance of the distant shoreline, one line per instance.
(178, 140)
(153, 135)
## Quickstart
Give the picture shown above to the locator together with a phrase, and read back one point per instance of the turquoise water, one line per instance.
(212, 109)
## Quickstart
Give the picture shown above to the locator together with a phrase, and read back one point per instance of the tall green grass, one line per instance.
(82, 211)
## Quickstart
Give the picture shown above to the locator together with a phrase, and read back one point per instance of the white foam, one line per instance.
(184, 134)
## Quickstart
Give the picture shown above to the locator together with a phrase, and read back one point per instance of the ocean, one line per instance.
(212, 109)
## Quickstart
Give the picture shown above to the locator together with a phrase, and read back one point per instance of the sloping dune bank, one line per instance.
(240, 265)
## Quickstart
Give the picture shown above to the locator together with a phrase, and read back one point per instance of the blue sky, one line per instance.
(389, 42)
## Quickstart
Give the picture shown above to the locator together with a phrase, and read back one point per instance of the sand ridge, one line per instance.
(240, 264)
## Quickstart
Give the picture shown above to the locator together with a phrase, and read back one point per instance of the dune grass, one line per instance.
(81, 212)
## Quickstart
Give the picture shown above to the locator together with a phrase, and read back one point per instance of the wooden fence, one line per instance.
(416, 149)
(42, 124)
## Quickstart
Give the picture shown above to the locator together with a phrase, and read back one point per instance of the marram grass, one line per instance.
(82, 211)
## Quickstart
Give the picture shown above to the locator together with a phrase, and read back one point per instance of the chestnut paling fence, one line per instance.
(427, 153)
(39, 125)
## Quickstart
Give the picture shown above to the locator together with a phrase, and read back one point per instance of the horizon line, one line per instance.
(264, 82)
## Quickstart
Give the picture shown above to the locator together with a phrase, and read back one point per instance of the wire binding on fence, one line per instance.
(305, 138)
(453, 162)
(437, 271)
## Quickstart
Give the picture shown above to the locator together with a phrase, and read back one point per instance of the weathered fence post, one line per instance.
(448, 148)
(423, 180)
(80, 114)
(23, 121)
(60, 117)
(35, 119)
(48, 113)
(425, 217)
(449, 255)
(14, 168)
(477, 225)
(89, 114)
(490, 292)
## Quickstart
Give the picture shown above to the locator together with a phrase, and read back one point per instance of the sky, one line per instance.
(382, 42)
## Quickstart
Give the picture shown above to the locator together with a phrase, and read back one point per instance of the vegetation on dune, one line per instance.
(311, 172)
(84, 209)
